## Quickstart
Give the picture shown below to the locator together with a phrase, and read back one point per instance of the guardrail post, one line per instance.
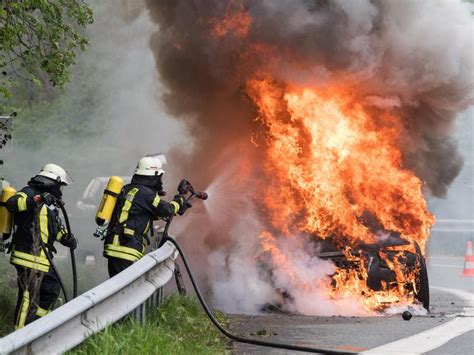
(139, 313)
(160, 295)
(150, 305)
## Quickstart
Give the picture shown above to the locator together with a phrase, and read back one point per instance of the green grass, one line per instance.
(178, 326)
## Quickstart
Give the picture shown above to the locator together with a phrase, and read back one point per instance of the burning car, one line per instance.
(388, 272)
(392, 264)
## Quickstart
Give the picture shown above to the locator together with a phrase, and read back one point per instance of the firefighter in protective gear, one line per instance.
(138, 205)
(37, 225)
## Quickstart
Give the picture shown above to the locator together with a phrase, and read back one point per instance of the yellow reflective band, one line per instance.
(44, 224)
(119, 255)
(29, 264)
(41, 312)
(147, 228)
(123, 249)
(25, 305)
(156, 201)
(22, 201)
(127, 205)
(43, 255)
(175, 206)
(30, 257)
(116, 240)
(129, 231)
(124, 213)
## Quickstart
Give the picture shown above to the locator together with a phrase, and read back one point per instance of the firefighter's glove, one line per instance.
(69, 241)
(47, 198)
(183, 205)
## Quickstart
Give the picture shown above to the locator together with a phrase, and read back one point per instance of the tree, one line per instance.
(38, 40)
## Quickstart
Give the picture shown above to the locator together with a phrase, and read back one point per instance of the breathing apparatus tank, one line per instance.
(5, 214)
(109, 200)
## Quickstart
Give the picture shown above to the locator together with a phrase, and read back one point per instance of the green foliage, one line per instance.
(69, 115)
(38, 40)
(179, 326)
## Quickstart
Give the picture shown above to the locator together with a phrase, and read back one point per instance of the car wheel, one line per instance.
(422, 293)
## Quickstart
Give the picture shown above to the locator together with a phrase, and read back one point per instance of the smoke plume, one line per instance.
(411, 58)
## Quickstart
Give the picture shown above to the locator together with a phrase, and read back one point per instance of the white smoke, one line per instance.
(237, 282)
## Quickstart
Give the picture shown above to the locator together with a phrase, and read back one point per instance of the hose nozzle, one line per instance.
(202, 195)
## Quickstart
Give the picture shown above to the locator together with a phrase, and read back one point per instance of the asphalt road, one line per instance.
(447, 329)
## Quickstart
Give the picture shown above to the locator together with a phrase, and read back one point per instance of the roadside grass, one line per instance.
(178, 326)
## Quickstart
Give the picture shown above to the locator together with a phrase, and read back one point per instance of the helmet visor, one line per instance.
(66, 179)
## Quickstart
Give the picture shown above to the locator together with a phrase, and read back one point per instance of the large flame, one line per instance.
(331, 163)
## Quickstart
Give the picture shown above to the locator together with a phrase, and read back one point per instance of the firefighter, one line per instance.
(37, 227)
(138, 205)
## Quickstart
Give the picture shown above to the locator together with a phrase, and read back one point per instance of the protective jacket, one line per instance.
(137, 207)
(26, 248)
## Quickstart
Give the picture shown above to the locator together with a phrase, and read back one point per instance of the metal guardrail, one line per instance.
(454, 226)
(128, 292)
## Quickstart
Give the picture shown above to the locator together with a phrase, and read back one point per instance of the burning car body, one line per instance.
(390, 266)
(377, 277)
(383, 274)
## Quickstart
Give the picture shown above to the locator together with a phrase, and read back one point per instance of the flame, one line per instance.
(236, 20)
(335, 171)
(333, 163)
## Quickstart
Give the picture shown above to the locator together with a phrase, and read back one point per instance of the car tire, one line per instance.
(422, 294)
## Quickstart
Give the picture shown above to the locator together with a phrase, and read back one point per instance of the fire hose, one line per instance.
(215, 322)
(60, 203)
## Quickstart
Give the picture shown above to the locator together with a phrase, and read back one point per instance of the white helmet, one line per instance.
(56, 173)
(150, 166)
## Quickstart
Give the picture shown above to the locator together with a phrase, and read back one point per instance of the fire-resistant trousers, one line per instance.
(37, 293)
(116, 265)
